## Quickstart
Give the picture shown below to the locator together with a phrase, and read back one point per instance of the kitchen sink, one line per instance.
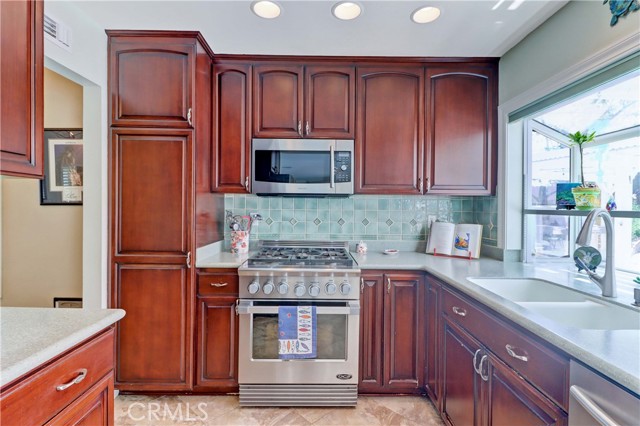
(561, 304)
(588, 315)
(528, 290)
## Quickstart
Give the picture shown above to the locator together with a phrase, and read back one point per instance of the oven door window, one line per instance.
(331, 336)
(292, 166)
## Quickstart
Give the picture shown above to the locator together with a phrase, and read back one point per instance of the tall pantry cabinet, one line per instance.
(160, 115)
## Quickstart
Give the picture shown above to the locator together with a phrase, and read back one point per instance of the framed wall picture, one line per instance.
(63, 167)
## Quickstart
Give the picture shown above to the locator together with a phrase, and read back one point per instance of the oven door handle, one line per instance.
(352, 308)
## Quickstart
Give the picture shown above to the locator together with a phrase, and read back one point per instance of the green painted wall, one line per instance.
(575, 33)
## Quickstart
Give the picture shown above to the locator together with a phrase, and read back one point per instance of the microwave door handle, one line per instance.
(332, 166)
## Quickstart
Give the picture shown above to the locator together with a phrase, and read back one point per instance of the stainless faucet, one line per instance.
(606, 282)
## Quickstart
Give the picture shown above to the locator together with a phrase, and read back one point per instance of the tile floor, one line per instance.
(224, 410)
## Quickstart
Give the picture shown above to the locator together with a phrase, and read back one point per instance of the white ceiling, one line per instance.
(465, 28)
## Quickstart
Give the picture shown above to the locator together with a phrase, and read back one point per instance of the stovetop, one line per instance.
(281, 254)
(300, 270)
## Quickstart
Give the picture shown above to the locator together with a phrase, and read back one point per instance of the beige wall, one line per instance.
(42, 245)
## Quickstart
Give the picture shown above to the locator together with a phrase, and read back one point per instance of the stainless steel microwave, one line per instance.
(317, 167)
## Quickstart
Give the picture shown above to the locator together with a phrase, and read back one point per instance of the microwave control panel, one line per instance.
(342, 161)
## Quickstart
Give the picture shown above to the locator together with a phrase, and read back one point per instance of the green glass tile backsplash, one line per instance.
(362, 217)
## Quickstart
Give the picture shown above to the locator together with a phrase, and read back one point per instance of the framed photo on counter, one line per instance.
(63, 167)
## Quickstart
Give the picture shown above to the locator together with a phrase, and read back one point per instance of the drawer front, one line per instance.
(539, 364)
(35, 399)
(217, 284)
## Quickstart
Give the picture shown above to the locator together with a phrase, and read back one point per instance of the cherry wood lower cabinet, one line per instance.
(154, 338)
(21, 85)
(391, 332)
(481, 383)
(217, 331)
(35, 399)
(432, 355)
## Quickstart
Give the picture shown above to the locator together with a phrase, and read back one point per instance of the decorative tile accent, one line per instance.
(366, 217)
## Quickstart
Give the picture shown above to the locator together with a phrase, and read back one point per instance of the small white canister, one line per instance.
(361, 247)
(239, 242)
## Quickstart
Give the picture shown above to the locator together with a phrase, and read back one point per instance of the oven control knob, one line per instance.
(330, 288)
(345, 287)
(268, 287)
(299, 290)
(254, 287)
(314, 290)
(343, 167)
(283, 287)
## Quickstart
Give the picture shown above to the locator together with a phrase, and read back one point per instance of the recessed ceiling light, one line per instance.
(266, 9)
(346, 10)
(425, 15)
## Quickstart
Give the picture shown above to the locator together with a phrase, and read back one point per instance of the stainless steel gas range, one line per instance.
(299, 273)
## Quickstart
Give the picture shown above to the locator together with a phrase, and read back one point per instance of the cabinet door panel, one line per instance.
(151, 81)
(433, 345)
(151, 192)
(371, 330)
(330, 102)
(513, 401)
(404, 331)
(217, 343)
(389, 141)
(154, 337)
(277, 108)
(460, 383)
(232, 126)
(21, 88)
(461, 145)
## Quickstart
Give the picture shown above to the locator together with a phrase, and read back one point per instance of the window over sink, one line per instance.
(612, 110)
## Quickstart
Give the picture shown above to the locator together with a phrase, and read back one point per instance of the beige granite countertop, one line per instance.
(30, 337)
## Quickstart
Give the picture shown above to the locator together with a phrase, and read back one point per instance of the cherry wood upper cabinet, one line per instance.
(231, 153)
(390, 135)
(461, 143)
(151, 80)
(21, 88)
(329, 107)
(296, 101)
(277, 106)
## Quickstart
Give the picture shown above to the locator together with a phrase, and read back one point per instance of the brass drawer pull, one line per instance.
(219, 284)
(80, 377)
(459, 311)
(511, 351)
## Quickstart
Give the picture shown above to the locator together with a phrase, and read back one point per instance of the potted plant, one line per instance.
(587, 195)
